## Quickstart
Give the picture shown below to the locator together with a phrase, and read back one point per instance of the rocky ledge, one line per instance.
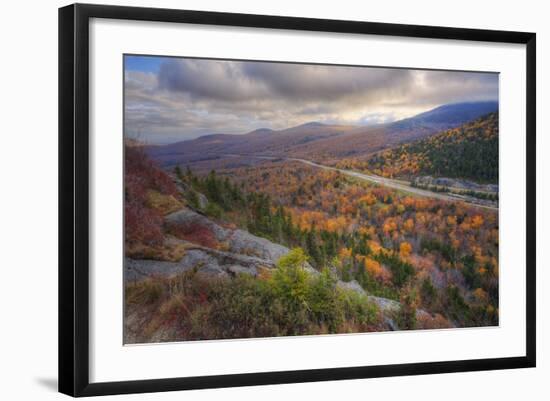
(246, 253)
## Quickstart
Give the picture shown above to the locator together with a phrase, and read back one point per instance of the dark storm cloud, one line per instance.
(191, 97)
(209, 79)
(242, 81)
(316, 82)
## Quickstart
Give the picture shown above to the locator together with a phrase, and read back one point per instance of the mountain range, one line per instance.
(322, 142)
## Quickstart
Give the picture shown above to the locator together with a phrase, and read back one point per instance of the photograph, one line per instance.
(216, 200)
(267, 199)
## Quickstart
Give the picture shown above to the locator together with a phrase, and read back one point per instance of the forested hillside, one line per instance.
(468, 152)
(411, 262)
(436, 255)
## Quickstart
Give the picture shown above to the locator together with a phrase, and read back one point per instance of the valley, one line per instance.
(439, 192)
(315, 229)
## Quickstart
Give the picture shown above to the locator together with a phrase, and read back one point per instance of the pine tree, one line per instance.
(312, 246)
(213, 187)
(177, 172)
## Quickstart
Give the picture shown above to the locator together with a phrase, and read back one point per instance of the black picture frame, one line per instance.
(74, 198)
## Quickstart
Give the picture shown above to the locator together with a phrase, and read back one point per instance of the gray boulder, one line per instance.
(351, 286)
(243, 242)
(237, 269)
(203, 200)
(202, 259)
(385, 305)
(139, 269)
(188, 217)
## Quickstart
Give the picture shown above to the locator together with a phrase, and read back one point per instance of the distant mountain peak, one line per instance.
(463, 106)
(312, 124)
(261, 131)
(448, 115)
(470, 103)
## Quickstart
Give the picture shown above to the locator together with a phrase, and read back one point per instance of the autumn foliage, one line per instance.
(469, 151)
(196, 233)
(142, 223)
(388, 241)
(432, 255)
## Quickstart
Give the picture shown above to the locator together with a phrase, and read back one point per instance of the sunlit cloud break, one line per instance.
(172, 99)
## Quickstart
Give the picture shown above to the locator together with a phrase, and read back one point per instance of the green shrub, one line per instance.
(213, 210)
(406, 317)
(325, 302)
(193, 198)
(290, 281)
(457, 308)
(428, 292)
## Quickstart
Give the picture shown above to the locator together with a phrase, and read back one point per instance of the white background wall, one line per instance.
(28, 200)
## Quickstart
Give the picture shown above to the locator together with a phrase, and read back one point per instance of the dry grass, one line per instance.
(144, 292)
(169, 251)
(165, 204)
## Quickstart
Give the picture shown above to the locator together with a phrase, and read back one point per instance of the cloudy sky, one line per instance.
(173, 99)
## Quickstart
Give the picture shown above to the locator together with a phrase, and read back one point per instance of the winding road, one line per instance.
(388, 182)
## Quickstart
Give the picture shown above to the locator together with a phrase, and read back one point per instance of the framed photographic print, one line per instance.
(249, 199)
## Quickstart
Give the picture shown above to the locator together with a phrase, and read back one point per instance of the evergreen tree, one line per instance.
(212, 187)
(312, 247)
(177, 172)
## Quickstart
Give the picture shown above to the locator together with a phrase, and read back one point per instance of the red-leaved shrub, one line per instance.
(142, 174)
(195, 233)
(143, 224)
